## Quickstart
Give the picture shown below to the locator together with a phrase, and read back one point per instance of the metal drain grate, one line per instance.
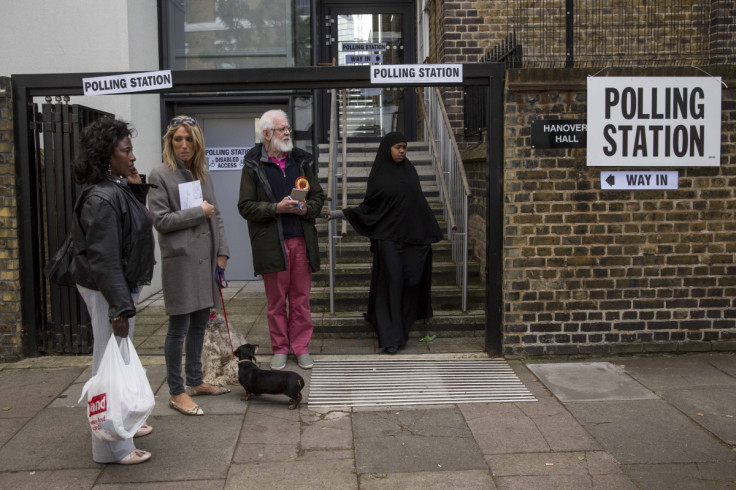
(371, 383)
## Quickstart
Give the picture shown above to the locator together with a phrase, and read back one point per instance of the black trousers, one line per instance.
(400, 290)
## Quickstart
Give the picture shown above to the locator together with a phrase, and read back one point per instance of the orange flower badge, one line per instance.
(302, 183)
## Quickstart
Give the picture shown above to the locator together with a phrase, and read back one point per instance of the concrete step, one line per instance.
(444, 297)
(359, 275)
(359, 251)
(445, 323)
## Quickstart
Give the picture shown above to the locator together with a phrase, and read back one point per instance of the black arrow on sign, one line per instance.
(611, 180)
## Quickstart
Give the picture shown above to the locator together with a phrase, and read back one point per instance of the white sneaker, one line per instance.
(278, 362)
(305, 361)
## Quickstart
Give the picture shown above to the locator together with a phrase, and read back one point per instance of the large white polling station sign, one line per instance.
(417, 73)
(128, 82)
(654, 121)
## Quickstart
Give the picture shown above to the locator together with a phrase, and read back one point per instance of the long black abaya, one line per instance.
(396, 217)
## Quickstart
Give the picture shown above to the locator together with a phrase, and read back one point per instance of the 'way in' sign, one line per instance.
(639, 180)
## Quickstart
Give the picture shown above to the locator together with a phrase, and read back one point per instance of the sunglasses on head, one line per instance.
(182, 119)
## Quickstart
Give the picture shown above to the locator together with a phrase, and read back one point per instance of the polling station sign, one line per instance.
(127, 82)
(395, 74)
(654, 121)
(230, 158)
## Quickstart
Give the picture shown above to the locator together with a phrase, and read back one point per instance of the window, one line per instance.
(223, 34)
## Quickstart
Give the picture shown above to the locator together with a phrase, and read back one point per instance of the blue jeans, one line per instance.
(190, 328)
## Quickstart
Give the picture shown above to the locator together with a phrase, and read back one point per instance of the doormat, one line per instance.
(388, 382)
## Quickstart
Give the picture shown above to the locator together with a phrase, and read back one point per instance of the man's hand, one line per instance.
(288, 205)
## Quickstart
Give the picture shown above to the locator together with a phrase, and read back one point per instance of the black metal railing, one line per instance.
(599, 33)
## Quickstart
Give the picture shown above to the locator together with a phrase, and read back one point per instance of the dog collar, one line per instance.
(246, 360)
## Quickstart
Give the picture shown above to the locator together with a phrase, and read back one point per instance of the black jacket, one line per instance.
(113, 239)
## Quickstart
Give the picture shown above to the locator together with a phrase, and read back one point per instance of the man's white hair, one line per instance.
(266, 122)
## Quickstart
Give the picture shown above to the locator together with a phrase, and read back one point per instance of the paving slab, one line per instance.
(724, 362)
(265, 424)
(295, 474)
(589, 381)
(330, 430)
(675, 372)
(683, 476)
(9, 427)
(525, 428)
(423, 440)
(183, 448)
(58, 479)
(54, 439)
(503, 428)
(24, 392)
(589, 469)
(648, 431)
(712, 408)
(179, 485)
(429, 480)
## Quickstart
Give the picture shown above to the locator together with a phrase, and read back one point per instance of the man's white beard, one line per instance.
(281, 145)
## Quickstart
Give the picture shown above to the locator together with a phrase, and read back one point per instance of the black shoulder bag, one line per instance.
(60, 268)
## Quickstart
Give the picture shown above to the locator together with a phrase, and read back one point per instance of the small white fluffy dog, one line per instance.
(219, 368)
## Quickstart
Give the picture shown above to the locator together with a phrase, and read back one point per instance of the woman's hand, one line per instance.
(222, 261)
(120, 326)
(134, 177)
(208, 209)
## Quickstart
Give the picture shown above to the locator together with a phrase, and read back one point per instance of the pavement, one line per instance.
(650, 422)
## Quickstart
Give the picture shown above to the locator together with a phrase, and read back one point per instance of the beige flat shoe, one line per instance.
(195, 410)
(137, 456)
(143, 431)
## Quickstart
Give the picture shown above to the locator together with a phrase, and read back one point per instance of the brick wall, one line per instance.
(463, 32)
(722, 30)
(597, 272)
(10, 306)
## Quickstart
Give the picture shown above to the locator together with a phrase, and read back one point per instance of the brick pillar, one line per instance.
(10, 306)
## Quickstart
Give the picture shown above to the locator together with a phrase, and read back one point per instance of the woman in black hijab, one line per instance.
(396, 217)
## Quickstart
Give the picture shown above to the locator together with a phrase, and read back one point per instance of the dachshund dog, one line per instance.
(257, 381)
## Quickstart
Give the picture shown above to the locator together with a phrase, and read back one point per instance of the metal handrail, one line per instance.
(331, 192)
(454, 187)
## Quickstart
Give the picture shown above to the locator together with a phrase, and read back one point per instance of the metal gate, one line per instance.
(64, 326)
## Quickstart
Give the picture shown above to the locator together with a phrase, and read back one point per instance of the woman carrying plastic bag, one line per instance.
(113, 240)
(119, 396)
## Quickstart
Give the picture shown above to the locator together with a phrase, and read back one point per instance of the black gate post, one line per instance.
(28, 212)
(569, 33)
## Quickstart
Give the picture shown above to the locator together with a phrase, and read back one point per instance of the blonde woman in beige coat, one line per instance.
(192, 245)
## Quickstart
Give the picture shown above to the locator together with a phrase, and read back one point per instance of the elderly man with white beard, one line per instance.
(282, 233)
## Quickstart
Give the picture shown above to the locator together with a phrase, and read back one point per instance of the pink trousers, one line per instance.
(290, 289)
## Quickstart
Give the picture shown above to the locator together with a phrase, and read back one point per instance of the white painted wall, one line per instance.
(86, 36)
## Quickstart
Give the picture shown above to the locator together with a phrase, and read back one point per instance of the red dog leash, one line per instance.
(222, 283)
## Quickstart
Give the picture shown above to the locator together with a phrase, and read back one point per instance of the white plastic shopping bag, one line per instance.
(119, 397)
